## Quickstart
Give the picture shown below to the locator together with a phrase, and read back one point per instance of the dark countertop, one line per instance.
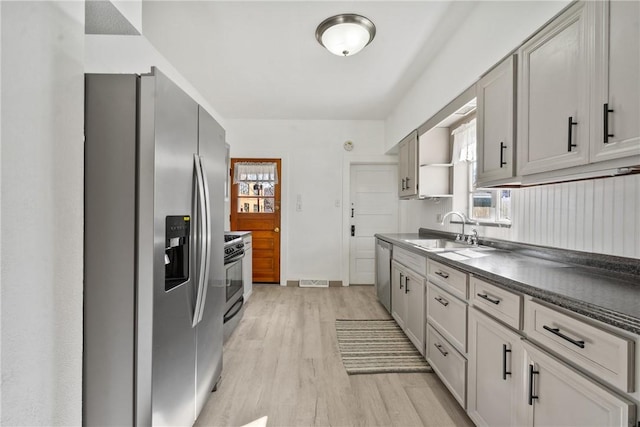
(599, 293)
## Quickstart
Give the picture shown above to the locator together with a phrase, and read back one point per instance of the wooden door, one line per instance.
(374, 209)
(553, 125)
(255, 207)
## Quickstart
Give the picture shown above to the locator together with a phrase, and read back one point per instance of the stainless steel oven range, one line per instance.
(234, 304)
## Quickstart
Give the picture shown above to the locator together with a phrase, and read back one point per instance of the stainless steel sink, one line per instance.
(438, 245)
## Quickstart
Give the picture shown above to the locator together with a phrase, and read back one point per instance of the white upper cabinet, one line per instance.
(553, 103)
(616, 92)
(495, 129)
(579, 93)
(408, 166)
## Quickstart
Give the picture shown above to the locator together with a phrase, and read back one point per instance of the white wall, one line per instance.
(601, 216)
(42, 205)
(312, 166)
(136, 55)
(491, 31)
(132, 10)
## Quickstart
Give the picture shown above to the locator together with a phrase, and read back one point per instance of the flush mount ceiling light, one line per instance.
(346, 34)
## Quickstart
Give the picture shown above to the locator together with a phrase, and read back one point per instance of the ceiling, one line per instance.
(260, 59)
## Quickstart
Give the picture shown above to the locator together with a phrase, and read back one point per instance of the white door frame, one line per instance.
(346, 202)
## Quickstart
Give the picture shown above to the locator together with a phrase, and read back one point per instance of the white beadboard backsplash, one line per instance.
(599, 215)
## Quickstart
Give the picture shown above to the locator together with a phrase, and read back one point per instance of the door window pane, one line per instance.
(256, 197)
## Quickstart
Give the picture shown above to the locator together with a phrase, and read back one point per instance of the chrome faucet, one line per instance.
(464, 219)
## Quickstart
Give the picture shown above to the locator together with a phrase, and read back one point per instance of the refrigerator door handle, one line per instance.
(207, 239)
(202, 215)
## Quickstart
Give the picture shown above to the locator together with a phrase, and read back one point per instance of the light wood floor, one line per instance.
(283, 361)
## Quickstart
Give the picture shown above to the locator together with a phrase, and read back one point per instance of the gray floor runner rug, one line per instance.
(377, 346)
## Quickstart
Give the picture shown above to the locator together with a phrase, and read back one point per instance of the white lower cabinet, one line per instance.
(495, 371)
(398, 299)
(448, 315)
(247, 266)
(407, 303)
(414, 326)
(557, 395)
(448, 363)
(513, 381)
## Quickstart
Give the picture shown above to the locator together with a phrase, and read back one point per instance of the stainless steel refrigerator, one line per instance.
(154, 274)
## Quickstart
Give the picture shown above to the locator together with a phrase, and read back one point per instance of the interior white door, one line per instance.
(374, 209)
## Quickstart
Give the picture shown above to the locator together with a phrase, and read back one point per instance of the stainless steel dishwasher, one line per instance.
(383, 273)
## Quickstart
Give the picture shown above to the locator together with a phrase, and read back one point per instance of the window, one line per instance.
(256, 185)
(482, 205)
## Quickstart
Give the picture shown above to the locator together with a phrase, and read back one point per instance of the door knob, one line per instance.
(277, 229)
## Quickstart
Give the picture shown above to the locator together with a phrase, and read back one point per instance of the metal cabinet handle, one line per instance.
(439, 347)
(406, 180)
(443, 275)
(532, 372)
(403, 187)
(570, 143)
(401, 276)
(502, 148)
(605, 123)
(504, 362)
(406, 284)
(556, 331)
(491, 300)
(442, 301)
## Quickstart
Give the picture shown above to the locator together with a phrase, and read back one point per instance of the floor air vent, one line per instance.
(310, 283)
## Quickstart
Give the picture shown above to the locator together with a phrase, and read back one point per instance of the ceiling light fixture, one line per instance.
(346, 34)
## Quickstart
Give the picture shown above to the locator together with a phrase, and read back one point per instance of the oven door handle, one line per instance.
(237, 304)
(234, 259)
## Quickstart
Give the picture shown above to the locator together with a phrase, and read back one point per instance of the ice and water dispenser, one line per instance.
(176, 254)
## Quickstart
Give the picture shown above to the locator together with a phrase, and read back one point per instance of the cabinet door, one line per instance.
(558, 395)
(495, 360)
(247, 267)
(398, 297)
(403, 165)
(412, 170)
(414, 287)
(495, 130)
(408, 165)
(553, 113)
(616, 107)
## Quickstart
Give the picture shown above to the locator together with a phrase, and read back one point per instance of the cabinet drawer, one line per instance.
(450, 365)
(498, 302)
(448, 314)
(417, 263)
(607, 356)
(454, 280)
